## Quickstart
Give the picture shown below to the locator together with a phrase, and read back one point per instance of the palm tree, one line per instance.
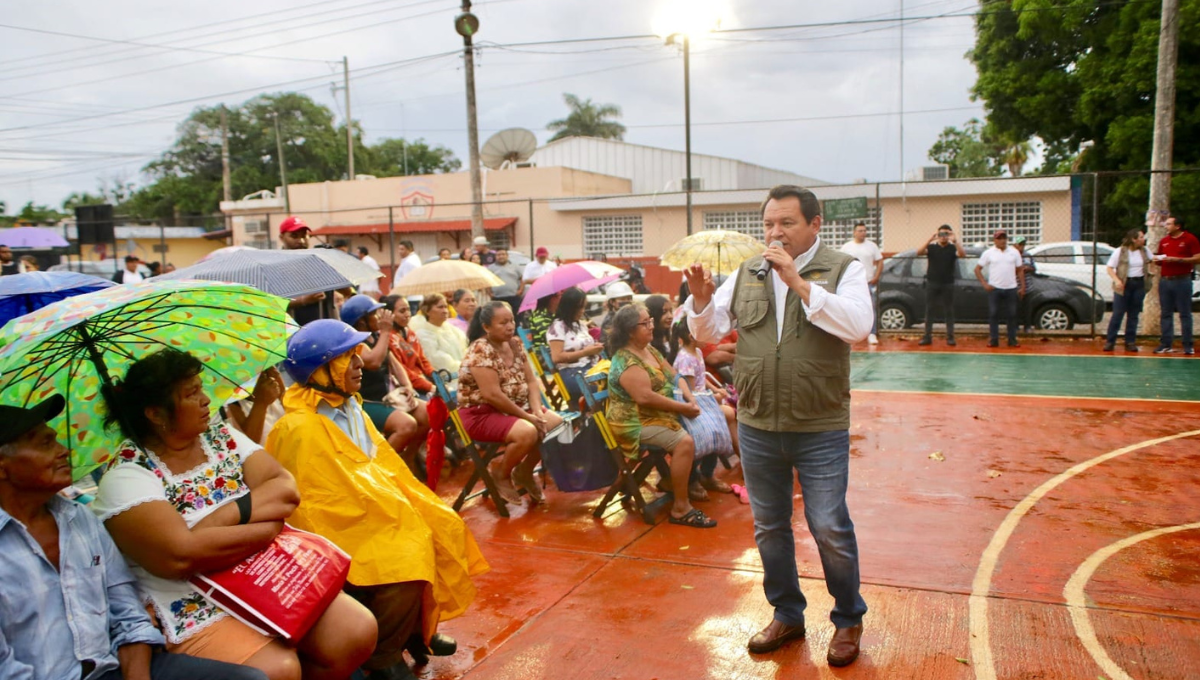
(1015, 156)
(588, 120)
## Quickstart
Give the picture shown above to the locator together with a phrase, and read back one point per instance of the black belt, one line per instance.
(1134, 278)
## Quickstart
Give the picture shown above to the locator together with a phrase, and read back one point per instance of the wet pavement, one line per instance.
(1001, 536)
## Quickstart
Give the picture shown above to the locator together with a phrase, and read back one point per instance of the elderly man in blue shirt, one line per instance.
(70, 606)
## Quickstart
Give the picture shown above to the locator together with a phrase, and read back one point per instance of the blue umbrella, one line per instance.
(25, 293)
(286, 273)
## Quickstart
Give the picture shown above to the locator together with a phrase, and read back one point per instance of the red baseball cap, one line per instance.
(1000, 233)
(541, 251)
(292, 224)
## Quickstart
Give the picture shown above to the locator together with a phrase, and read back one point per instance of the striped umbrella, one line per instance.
(286, 273)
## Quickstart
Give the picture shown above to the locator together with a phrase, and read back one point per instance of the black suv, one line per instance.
(1051, 302)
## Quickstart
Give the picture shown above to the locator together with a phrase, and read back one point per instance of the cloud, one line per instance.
(837, 78)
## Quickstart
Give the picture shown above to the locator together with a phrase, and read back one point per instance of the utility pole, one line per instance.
(1164, 142)
(349, 120)
(226, 181)
(287, 201)
(467, 25)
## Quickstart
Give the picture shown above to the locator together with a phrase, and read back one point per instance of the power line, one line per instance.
(274, 15)
(144, 45)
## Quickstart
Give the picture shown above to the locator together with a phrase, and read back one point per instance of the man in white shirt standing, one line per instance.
(1005, 285)
(540, 266)
(871, 258)
(130, 273)
(371, 287)
(795, 326)
(409, 260)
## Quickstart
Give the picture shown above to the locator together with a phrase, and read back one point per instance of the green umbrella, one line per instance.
(74, 346)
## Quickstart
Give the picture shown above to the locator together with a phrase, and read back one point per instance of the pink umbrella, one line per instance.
(562, 278)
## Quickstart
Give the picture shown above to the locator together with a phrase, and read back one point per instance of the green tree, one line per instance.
(395, 157)
(588, 120)
(967, 151)
(78, 198)
(1078, 73)
(34, 214)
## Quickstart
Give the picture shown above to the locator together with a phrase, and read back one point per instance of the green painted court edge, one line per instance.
(1043, 375)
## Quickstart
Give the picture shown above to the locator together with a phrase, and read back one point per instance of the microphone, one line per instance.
(765, 267)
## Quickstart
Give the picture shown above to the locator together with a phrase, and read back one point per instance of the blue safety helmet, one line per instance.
(359, 306)
(316, 344)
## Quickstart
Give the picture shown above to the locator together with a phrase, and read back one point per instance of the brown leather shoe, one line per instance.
(843, 648)
(774, 636)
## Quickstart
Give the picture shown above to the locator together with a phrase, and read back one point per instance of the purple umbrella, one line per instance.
(566, 276)
(31, 237)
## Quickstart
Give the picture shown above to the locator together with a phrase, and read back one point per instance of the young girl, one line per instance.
(690, 362)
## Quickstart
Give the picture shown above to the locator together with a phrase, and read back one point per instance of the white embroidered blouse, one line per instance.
(137, 476)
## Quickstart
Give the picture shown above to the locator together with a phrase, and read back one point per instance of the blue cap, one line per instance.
(359, 306)
(316, 344)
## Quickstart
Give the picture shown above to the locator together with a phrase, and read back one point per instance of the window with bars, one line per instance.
(748, 222)
(613, 235)
(836, 232)
(1018, 218)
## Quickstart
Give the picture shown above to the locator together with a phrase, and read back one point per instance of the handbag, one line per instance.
(709, 430)
(577, 457)
(282, 589)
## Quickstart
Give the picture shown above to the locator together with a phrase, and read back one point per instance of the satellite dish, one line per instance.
(511, 146)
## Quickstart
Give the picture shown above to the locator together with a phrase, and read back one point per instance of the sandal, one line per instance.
(522, 478)
(715, 485)
(696, 493)
(507, 491)
(695, 519)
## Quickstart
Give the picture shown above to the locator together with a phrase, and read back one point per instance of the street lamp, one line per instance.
(679, 22)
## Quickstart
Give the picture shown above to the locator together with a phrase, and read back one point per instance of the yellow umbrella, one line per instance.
(446, 275)
(719, 250)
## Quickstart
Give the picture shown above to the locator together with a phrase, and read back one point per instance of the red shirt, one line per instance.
(1184, 245)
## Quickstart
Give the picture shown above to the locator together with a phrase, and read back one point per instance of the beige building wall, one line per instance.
(181, 252)
(908, 222)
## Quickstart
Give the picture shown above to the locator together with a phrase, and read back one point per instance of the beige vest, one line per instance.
(802, 382)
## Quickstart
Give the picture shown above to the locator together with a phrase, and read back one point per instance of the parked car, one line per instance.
(1077, 261)
(515, 256)
(1051, 302)
(105, 269)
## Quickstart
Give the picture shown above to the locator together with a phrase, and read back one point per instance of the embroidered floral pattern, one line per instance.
(216, 481)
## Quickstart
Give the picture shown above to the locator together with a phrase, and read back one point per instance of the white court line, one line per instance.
(981, 644)
(1077, 604)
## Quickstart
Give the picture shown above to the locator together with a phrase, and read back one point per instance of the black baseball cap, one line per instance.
(16, 421)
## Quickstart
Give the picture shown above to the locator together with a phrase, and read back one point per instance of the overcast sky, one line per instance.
(78, 111)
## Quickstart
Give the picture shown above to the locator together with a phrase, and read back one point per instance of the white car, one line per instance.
(1075, 260)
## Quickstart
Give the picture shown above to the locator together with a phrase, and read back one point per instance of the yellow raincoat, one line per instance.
(394, 528)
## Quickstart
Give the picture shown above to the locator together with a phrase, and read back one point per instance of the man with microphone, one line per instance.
(798, 308)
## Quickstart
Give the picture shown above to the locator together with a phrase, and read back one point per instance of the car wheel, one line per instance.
(1055, 317)
(894, 317)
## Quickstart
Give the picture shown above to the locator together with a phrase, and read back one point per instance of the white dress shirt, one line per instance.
(535, 270)
(846, 313)
(371, 286)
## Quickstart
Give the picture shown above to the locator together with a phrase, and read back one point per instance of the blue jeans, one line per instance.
(821, 461)
(1175, 297)
(1002, 304)
(1128, 302)
(164, 666)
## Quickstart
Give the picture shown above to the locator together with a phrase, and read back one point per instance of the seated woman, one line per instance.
(464, 304)
(406, 426)
(174, 506)
(572, 348)
(444, 344)
(499, 400)
(412, 557)
(660, 309)
(689, 363)
(641, 410)
(406, 347)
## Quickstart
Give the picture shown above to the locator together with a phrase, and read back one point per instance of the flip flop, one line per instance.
(695, 519)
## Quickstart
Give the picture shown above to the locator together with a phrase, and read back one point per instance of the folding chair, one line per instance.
(554, 390)
(630, 479)
(480, 453)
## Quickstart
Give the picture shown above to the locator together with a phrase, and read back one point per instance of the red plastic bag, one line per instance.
(284, 588)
